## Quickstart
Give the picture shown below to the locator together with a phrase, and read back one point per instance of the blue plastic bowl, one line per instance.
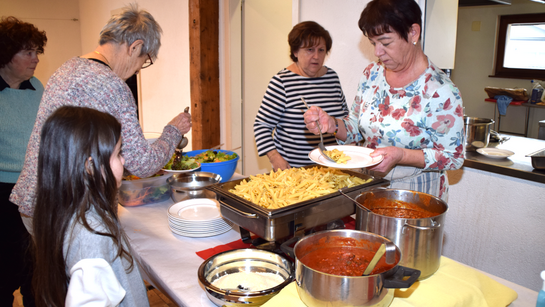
(224, 169)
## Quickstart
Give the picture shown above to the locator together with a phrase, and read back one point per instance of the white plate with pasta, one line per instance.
(358, 157)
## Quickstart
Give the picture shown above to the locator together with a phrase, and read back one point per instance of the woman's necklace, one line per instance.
(107, 62)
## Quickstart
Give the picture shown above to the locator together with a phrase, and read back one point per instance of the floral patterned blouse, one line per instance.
(426, 115)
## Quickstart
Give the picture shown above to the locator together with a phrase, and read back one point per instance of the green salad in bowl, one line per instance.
(181, 163)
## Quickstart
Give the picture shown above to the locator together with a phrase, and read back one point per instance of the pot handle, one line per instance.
(395, 280)
(239, 212)
(286, 247)
(434, 225)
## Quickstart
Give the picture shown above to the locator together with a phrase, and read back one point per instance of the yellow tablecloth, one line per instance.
(453, 285)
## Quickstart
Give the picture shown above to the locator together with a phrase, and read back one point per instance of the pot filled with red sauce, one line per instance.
(329, 266)
(414, 221)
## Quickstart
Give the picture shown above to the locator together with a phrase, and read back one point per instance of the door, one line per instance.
(264, 32)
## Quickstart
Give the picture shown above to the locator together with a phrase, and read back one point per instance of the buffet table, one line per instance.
(169, 262)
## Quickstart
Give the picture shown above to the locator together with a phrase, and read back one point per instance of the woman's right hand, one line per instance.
(277, 161)
(316, 113)
(182, 122)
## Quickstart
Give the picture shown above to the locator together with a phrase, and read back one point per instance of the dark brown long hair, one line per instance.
(74, 176)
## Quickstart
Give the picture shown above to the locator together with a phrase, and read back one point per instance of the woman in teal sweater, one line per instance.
(20, 95)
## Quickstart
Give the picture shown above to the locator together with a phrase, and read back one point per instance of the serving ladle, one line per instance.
(184, 141)
(387, 248)
(321, 146)
(354, 201)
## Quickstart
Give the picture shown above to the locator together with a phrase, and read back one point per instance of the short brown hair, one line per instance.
(17, 35)
(307, 34)
(387, 16)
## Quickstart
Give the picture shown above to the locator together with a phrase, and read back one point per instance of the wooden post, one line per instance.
(204, 73)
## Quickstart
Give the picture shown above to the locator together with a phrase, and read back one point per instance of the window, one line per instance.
(520, 52)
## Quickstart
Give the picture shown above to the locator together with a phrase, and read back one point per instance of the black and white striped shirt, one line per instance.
(279, 122)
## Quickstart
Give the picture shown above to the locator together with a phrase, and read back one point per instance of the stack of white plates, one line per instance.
(197, 217)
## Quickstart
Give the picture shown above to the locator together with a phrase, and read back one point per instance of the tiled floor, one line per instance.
(156, 298)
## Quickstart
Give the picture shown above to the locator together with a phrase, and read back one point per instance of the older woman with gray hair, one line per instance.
(128, 43)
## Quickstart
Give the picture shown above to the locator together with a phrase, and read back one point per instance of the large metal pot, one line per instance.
(419, 239)
(477, 132)
(319, 289)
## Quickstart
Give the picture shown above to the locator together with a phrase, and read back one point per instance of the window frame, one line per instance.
(502, 72)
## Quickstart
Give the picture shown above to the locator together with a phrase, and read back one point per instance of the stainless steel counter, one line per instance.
(518, 165)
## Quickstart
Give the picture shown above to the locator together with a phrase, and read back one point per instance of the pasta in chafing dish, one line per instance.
(286, 187)
(338, 156)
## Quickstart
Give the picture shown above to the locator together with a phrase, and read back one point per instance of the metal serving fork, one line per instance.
(321, 146)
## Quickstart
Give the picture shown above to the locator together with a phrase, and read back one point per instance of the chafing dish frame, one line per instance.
(276, 224)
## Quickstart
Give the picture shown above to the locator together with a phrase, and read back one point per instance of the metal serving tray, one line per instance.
(276, 224)
(538, 159)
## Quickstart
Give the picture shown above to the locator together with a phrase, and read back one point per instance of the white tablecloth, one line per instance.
(169, 262)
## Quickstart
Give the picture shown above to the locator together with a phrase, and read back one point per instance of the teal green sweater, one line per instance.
(18, 109)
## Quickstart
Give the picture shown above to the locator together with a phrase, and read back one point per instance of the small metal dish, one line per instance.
(538, 159)
(243, 260)
(192, 185)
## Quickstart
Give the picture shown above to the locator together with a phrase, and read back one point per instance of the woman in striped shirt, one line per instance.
(279, 127)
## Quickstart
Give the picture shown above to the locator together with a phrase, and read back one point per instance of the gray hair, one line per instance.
(132, 25)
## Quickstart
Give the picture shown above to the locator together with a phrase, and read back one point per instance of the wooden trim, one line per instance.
(204, 73)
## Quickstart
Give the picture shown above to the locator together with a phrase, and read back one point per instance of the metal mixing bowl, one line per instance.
(192, 185)
(243, 260)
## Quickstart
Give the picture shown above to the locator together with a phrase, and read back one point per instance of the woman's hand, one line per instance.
(182, 122)
(396, 156)
(277, 161)
(314, 113)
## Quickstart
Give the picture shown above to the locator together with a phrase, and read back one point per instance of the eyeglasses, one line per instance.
(148, 62)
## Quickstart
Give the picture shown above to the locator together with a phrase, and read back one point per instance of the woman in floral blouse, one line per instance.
(405, 108)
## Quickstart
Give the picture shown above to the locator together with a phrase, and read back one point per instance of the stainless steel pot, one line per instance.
(192, 185)
(420, 240)
(319, 289)
(243, 260)
(477, 132)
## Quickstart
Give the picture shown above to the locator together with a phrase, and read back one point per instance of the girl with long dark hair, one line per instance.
(82, 254)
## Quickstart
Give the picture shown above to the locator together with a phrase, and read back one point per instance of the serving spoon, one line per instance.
(354, 201)
(387, 248)
(184, 141)
(321, 146)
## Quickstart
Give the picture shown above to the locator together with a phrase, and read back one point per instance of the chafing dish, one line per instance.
(538, 159)
(276, 224)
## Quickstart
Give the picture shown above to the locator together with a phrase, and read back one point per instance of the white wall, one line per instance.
(59, 19)
(475, 62)
(351, 51)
